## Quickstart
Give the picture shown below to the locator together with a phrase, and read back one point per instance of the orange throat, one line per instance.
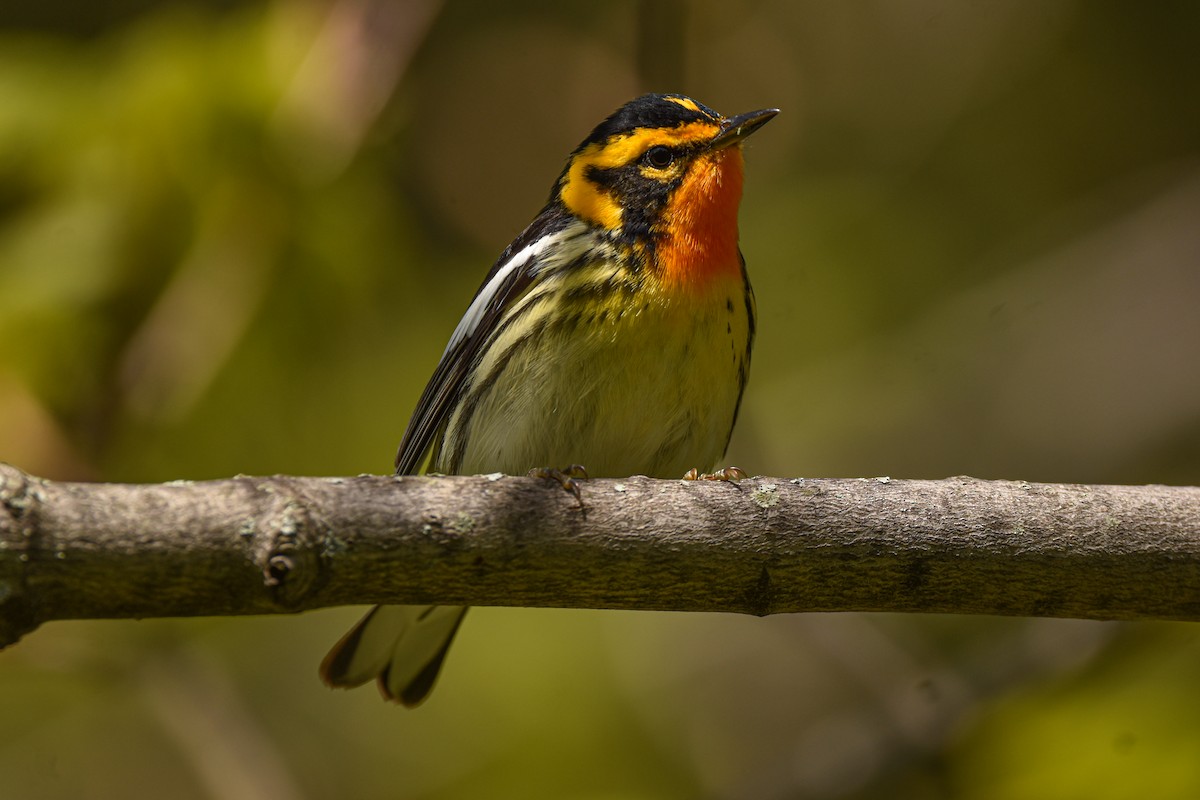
(700, 233)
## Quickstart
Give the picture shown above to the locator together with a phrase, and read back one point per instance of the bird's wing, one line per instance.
(509, 279)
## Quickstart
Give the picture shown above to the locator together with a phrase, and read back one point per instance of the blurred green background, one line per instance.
(235, 236)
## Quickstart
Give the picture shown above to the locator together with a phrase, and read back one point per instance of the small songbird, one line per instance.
(614, 332)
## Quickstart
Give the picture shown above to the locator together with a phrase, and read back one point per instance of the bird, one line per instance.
(614, 332)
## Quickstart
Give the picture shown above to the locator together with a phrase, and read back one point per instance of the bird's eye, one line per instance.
(659, 157)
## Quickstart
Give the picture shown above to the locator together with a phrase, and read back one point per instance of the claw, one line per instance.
(567, 478)
(731, 474)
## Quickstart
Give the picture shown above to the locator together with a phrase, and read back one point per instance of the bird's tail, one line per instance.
(402, 647)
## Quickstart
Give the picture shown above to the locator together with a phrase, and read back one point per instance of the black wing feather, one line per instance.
(446, 385)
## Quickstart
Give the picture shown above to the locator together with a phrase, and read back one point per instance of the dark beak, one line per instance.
(737, 128)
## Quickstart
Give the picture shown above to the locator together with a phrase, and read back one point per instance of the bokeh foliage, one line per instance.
(235, 236)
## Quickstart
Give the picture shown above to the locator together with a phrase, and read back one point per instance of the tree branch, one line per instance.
(762, 546)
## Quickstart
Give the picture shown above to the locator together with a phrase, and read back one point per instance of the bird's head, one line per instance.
(664, 173)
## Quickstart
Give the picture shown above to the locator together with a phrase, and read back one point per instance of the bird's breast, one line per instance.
(645, 381)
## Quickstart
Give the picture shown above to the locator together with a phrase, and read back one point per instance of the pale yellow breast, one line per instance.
(645, 384)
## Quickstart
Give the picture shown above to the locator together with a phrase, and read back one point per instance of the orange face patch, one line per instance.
(697, 234)
(590, 202)
(700, 232)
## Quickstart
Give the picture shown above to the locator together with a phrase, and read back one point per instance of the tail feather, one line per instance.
(402, 647)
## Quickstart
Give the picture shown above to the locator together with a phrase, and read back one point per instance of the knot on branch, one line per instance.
(20, 497)
(289, 552)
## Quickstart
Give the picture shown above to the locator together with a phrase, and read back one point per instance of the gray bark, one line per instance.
(251, 545)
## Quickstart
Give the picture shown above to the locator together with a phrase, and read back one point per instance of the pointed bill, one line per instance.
(734, 129)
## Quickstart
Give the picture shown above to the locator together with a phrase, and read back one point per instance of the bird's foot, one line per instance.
(567, 478)
(731, 474)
